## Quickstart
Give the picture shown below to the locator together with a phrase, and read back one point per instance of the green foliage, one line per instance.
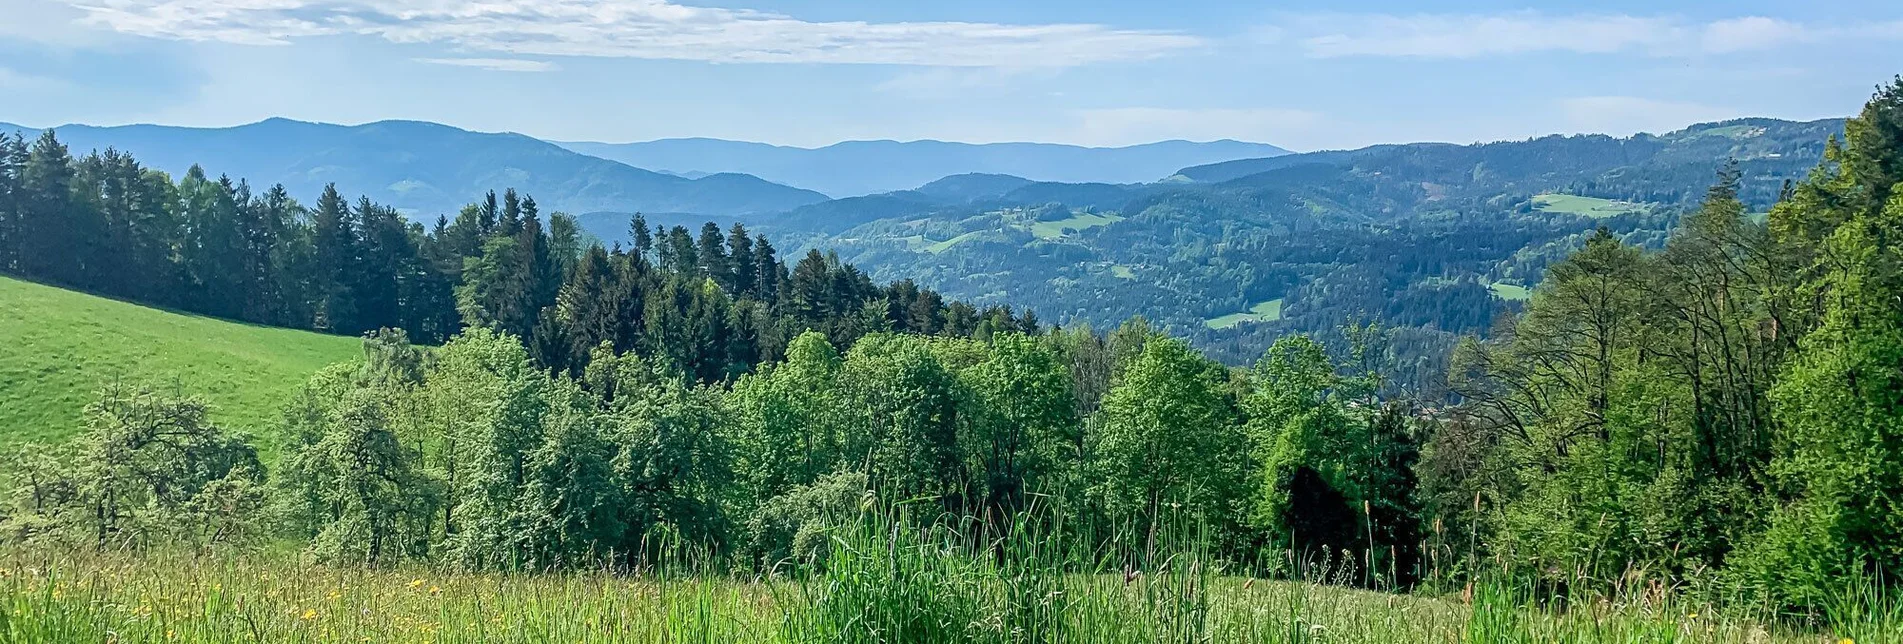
(149, 470)
(1839, 406)
(901, 419)
(1022, 431)
(1165, 440)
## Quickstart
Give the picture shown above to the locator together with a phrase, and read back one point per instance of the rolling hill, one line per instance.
(426, 169)
(858, 168)
(1431, 238)
(61, 346)
(1659, 166)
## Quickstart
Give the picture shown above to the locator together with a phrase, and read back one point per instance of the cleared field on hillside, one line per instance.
(60, 346)
(1510, 292)
(1077, 222)
(1269, 311)
(1586, 206)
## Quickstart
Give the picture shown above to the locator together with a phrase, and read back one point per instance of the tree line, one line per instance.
(1725, 411)
(713, 303)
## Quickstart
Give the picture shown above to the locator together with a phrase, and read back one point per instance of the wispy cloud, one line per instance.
(651, 29)
(1480, 35)
(495, 64)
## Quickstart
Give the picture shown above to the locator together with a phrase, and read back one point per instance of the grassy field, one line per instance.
(132, 598)
(60, 346)
(940, 247)
(1080, 222)
(1269, 311)
(1586, 206)
(1510, 292)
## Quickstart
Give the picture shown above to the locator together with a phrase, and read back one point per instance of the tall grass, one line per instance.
(885, 577)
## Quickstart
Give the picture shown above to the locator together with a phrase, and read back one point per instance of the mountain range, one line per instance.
(1432, 239)
(426, 169)
(858, 168)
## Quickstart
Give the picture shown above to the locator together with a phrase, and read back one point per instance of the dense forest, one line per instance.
(1724, 409)
(712, 304)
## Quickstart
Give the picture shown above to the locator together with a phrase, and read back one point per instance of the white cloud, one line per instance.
(1755, 32)
(1132, 125)
(1624, 115)
(495, 64)
(1480, 35)
(652, 29)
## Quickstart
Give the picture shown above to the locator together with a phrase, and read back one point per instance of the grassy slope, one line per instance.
(1510, 292)
(1586, 206)
(60, 346)
(1269, 311)
(1080, 222)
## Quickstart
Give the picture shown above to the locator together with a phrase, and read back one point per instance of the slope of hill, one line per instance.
(1652, 167)
(427, 169)
(856, 168)
(1433, 239)
(61, 346)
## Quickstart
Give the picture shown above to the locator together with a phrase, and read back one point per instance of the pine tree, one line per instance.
(740, 262)
(56, 232)
(711, 256)
(13, 158)
(643, 238)
(334, 244)
(511, 221)
(768, 273)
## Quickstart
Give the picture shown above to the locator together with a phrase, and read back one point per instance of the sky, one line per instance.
(1300, 74)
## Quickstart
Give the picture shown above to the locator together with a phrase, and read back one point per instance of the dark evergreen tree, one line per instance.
(740, 264)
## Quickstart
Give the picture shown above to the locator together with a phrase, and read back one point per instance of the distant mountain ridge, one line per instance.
(427, 169)
(860, 168)
(1745, 139)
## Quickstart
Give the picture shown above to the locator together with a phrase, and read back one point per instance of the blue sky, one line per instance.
(1305, 75)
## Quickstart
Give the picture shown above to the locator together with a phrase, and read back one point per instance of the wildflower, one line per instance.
(1847, 641)
(416, 582)
(435, 589)
(1692, 616)
(310, 614)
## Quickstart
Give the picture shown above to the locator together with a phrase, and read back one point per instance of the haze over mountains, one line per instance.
(426, 168)
(857, 168)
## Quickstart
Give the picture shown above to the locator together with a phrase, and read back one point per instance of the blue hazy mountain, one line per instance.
(1751, 141)
(855, 168)
(427, 168)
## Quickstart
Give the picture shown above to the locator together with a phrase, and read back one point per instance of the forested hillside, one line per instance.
(1434, 240)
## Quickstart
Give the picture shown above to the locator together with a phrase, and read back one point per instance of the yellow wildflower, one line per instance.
(310, 614)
